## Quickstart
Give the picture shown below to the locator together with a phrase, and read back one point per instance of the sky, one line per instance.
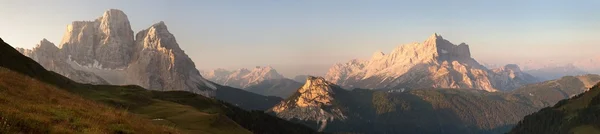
(308, 37)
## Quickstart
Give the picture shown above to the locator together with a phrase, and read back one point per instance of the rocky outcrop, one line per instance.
(104, 51)
(436, 62)
(314, 101)
(242, 78)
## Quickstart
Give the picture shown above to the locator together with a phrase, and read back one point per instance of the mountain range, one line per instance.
(436, 62)
(104, 51)
(260, 80)
(101, 73)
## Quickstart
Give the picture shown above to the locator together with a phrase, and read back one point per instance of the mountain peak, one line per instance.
(312, 102)
(114, 14)
(160, 24)
(434, 37)
(316, 91)
(45, 44)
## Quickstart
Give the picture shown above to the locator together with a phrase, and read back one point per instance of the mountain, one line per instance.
(35, 100)
(434, 63)
(242, 78)
(275, 87)
(324, 106)
(555, 72)
(579, 115)
(591, 65)
(511, 77)
(104, 51)
(314, 101)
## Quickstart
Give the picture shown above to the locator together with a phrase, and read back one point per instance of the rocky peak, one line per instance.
(314, 101)
(160, 34)
(107, 41)
(46, 45)
(316, 91)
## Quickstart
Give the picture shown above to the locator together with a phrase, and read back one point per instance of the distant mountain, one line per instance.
(579, 115)
(104, 51)
(591, 65)
(35, 100)
(434, 63)
(275, 87)
(242, 78)
(555, 72)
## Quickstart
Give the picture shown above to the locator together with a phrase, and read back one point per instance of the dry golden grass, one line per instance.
(30, 106)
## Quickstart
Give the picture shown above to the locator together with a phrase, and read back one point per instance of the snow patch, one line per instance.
(95, 65)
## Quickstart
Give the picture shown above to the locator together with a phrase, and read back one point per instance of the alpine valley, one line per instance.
(104, 78)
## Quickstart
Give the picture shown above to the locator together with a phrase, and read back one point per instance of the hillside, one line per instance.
(42, 101)
(329, 108)
(548, 93)
(32, 106)
(579, 115)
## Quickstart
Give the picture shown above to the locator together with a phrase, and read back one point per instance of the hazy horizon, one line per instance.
(307, 37)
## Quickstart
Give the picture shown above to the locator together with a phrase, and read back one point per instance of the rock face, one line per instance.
(436, 62)
(51, 58)
(106, 41)
(242, 78)
(312, 102)
(104, 51)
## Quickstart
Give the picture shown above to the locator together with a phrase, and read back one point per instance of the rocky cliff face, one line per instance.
(314, 101)
(242, 78)
(436, 62)
(104, 51)
(106, 42)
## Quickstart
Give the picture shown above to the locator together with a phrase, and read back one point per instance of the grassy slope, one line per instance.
(31, 106)
(580, 114)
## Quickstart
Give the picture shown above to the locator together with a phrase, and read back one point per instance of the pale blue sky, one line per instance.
(300, 37)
